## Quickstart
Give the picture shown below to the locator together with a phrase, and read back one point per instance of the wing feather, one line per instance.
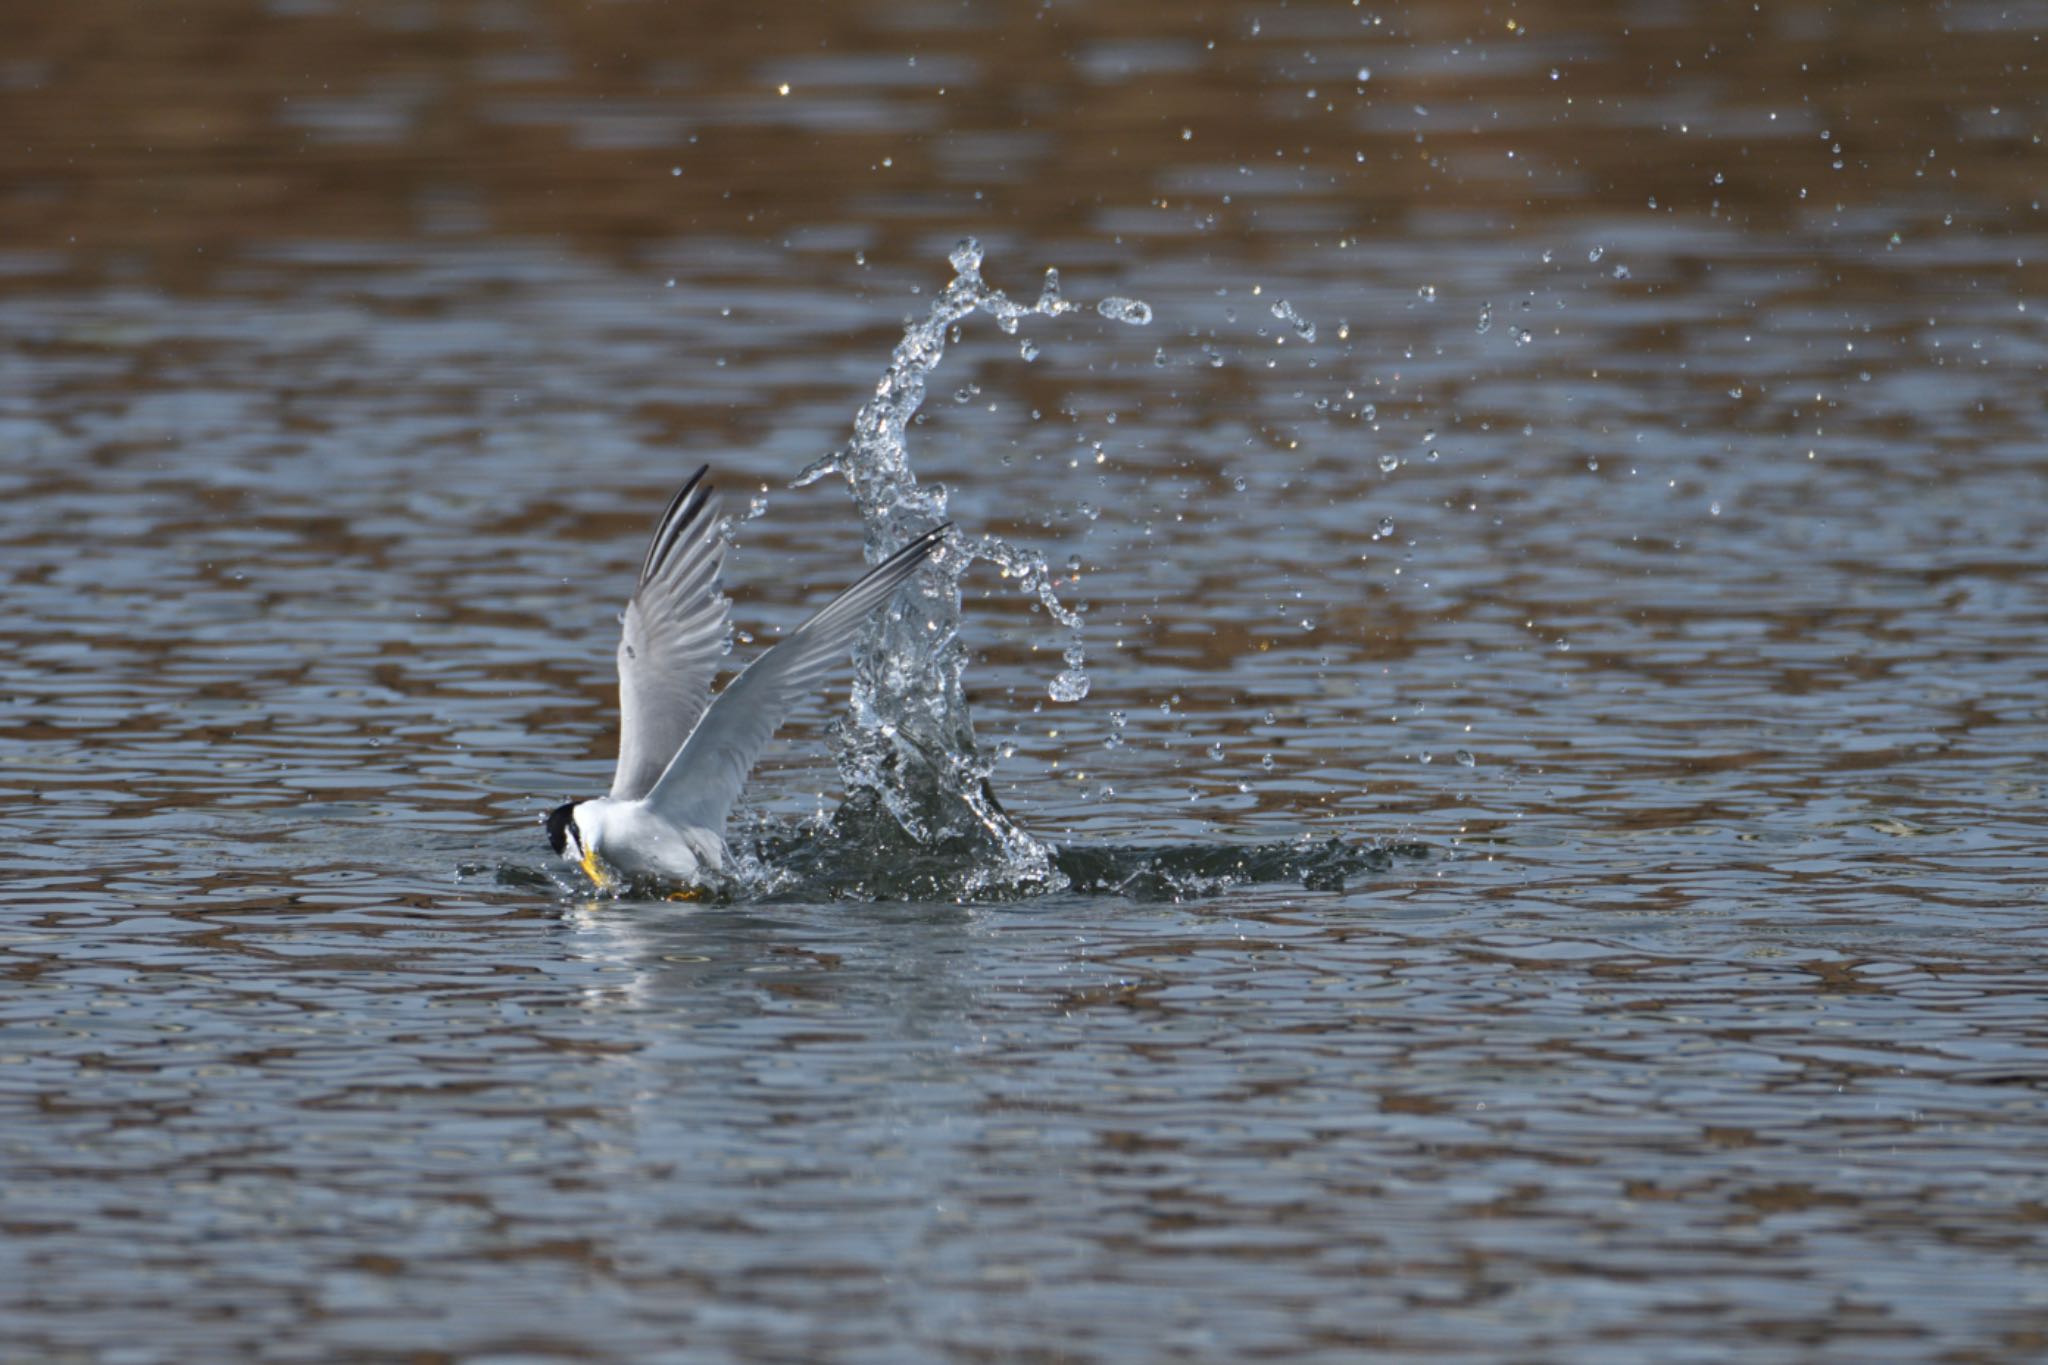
(671, 638)
(701, 785)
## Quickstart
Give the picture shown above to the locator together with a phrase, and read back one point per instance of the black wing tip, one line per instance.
(927, 542)
(912, 554)
(690, 486)
(898, 567)
(702, 471)
(682, 509)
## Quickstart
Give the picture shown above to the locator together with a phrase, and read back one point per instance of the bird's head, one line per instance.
(569, 839)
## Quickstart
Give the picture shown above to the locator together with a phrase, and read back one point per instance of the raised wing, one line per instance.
(700, 787)
(673, 638)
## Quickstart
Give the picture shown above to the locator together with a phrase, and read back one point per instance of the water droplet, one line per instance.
(1389, 463)
(966, 256)
(1486, 316)
(1049, 301)
(1465, 759)
(1427, 293)
(1386, 527)
(1028, 349)
(1365, 74)
(1593, 256)
(1136, 312)
(1237, 483)
(1303, 328)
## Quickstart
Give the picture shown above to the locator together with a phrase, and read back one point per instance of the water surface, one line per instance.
(1648, 541)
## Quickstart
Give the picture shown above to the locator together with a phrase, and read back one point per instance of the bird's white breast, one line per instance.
(636, 841)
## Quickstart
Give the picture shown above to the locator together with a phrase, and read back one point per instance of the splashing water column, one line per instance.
(917, 781)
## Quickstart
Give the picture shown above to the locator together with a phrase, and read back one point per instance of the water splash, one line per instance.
(917, 781)
(808, 868)
(1187, 872)
(809, 862)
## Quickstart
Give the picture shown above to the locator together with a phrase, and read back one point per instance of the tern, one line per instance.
(683, 754)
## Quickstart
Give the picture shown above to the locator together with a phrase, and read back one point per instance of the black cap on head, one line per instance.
(558, 828)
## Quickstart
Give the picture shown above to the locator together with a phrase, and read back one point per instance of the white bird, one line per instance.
(684, 756)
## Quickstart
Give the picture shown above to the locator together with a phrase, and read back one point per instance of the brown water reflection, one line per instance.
(1651, 529)
(174, 143)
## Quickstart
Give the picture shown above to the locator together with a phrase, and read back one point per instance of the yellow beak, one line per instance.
(594, 869)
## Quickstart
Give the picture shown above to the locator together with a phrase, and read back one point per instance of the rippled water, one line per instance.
(1554, 829)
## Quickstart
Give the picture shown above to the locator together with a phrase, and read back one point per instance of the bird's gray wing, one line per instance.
(672, 639)
(700, 787)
